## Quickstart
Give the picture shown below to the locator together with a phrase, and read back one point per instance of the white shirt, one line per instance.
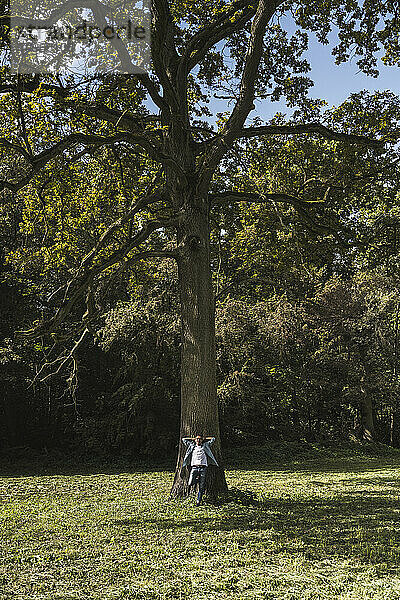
(199, 457)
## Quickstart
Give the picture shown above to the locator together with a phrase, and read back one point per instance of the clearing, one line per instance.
(320, 528)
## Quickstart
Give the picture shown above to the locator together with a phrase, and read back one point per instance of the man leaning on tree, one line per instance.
(198, 456)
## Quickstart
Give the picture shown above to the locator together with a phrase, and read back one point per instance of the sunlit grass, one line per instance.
(318, 530)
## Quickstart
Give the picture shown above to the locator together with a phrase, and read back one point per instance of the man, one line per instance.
(198, 456)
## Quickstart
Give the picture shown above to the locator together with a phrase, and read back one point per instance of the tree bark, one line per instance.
(367, 413)
(199, 409)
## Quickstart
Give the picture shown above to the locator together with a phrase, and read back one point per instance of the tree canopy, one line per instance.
(105, 179)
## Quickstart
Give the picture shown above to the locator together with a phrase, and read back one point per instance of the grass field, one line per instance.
(321, 528)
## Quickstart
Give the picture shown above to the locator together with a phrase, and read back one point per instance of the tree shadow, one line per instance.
(318, 466)
(363, 523)
(41, 465)
(28, 462)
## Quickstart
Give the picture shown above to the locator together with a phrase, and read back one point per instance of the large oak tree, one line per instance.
(178, 164)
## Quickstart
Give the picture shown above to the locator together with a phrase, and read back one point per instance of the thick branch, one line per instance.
(40, 160)
(244, 104)
(81, 282)
(318, 128)
(265, 11)
(134, 123)
(139, 205)
(218, 30)
(164, 55)
(32, 85)
(154, 94)
(300, 206)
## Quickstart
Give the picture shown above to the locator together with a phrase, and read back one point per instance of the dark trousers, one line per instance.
(198, 475)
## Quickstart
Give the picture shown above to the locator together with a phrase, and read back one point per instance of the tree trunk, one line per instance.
(391, 427)
(199, 410)
(367, 413)
(367, 419)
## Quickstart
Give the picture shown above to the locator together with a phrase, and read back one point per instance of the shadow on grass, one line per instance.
(282, 457)
(48, 465)
(351, 465)
(44, 465)
(363, 524)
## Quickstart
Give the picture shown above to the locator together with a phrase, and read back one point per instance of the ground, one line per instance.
(324, 526)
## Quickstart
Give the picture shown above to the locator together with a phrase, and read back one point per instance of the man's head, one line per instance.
(198, 440)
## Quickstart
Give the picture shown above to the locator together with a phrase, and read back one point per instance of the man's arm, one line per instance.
(187, 440)
(210, 440)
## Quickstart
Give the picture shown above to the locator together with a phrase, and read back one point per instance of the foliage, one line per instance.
(99, 193)
(143, 411)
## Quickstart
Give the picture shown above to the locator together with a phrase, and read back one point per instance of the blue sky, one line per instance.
(333, 83)
(336, 82)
